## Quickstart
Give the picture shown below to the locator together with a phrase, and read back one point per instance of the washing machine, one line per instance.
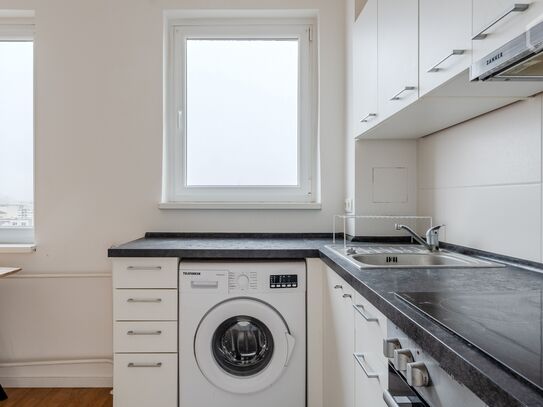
(242, 334)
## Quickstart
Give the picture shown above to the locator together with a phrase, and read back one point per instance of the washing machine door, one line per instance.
(243, 345)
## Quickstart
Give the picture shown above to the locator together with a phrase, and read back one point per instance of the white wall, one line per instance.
(482, 179)
(99, 159)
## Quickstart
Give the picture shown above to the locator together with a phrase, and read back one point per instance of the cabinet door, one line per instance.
(398, 45)
(338, 343)
(508, 22)
(445, 41)
(371, 367)
(365, 99)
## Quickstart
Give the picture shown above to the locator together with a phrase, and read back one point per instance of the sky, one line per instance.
(16, 121)
(242, 112)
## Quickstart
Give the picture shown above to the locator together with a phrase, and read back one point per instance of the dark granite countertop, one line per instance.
(225, 245)
(495, 385)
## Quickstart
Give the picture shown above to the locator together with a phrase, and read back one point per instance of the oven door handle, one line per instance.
(389, 400)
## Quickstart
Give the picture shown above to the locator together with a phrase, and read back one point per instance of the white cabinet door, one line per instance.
(497, 21)
(338, 342)
(371, 366)
(398, 44)
(445, 41)
(365, 98)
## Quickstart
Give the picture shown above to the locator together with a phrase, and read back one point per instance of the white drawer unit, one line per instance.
(146, 336)
(146, 272)
(145, 305)
(148, 379)
(145, 332)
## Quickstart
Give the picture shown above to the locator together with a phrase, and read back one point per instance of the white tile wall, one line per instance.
(482, 178)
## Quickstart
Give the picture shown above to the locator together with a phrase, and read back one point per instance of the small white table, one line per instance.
(6, 271)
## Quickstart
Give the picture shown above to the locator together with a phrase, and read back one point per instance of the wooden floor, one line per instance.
(57, 397)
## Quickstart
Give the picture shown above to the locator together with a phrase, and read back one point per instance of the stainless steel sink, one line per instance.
(408, 257)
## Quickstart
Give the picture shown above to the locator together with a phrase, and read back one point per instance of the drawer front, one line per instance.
(145, 305)
(370, 330)
(143, 380)
(145, 273)
(148, 336)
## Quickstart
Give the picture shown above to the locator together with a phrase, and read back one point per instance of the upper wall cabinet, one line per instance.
(445, 41)
(365, 99)
(398, 62)
(497, 21)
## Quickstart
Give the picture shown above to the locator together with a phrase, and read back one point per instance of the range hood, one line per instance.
(521, 59)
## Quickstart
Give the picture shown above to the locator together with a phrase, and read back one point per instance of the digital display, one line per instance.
(284, 281)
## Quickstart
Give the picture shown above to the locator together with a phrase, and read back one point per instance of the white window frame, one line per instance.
(18, 29)
(176, 192)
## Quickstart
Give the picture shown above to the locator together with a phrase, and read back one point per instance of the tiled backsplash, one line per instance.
(482, 178)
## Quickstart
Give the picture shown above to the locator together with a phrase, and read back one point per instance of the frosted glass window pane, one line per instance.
(16, 134)
(242, 112)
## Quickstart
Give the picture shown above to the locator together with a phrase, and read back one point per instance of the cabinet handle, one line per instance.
(436, 68)
(361, 360)
(360, 309)
(368, 116)
(389, 400)
(144, 333)
(156, 300)
(397, 95)
(518, 7)
(347, 296)
(158, 364)
(144, 268)
(338, 286)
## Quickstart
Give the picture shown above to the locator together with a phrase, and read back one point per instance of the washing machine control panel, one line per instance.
(283, 281)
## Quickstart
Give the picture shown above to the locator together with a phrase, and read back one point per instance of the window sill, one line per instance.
(241, 205)
(17, 248)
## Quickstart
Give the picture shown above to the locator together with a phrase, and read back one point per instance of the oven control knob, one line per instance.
(401, 358)
(417, 374)
(389, 346)
(243, 282)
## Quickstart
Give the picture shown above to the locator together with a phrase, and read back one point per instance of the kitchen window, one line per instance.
(241, 115)
(16, 134)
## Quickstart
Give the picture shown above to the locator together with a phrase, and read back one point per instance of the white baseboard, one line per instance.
(56, 381)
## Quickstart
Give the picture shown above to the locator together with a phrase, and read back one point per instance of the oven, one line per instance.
(399, 393)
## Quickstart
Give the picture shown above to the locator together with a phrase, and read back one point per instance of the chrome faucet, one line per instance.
(432, 236)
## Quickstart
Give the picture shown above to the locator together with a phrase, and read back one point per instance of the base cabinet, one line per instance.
(145, 327)
(355, 370)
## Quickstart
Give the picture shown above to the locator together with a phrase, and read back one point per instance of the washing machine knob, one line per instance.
(243, 282)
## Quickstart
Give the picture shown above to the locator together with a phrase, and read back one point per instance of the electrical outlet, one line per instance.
(348, 206)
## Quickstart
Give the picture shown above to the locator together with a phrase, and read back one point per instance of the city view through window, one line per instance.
(16, 134)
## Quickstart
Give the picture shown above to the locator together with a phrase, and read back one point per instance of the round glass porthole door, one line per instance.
(242, 345)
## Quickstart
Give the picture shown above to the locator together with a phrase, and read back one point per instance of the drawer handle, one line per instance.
(144, 333)
(144, 268)
(158, 364)
(362, 311)
(518, 7)
(397, 95)
(436, 67)
(361, 360)
(338, 286)
(347, 296)
(155, 300)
